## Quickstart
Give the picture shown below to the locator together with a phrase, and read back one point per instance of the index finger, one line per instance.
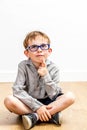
(43, 64)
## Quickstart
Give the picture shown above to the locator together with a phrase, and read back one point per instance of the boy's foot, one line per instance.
(29, 120)
(57, 118)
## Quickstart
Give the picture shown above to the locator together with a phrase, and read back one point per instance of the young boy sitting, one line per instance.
(36, 93)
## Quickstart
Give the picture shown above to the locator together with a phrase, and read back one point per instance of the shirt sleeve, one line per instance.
(19, 90)
(51, 81)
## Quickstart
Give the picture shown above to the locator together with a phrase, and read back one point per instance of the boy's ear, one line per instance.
(26, 53)
(50, 50)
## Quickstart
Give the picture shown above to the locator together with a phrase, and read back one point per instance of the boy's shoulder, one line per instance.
(23, 63)
(51, 64)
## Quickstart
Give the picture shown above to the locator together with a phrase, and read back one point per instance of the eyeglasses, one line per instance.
(34, 48)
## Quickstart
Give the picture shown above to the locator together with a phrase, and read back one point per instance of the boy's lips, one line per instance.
(39, 55)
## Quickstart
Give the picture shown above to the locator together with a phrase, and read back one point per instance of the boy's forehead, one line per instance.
(38, 40)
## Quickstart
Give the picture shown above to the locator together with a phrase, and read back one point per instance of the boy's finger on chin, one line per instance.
(43, 64)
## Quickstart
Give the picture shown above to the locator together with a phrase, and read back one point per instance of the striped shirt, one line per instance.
(30, 86)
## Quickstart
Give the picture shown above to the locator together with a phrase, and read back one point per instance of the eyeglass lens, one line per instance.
(42, 46)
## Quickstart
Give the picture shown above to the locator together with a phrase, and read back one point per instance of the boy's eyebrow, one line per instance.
(39, 44)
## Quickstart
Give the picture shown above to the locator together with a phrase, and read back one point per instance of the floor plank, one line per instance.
(74, 117)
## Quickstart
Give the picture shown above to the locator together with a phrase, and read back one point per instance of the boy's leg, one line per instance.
(59, 104)
(16, 106)
(62, 102)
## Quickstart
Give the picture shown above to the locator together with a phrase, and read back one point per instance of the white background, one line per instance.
(64, 21)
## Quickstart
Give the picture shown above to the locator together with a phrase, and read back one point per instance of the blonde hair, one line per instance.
(32, 35)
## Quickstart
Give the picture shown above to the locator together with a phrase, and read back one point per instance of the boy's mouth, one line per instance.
(39, 55)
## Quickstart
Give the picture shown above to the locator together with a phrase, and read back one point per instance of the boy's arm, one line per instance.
(19, 90)
(51, 79)
(51, 85)
(28, 100)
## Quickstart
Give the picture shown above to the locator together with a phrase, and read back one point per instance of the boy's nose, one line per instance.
(39, 49)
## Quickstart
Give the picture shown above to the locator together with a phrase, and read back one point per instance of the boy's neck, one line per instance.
(36, 64)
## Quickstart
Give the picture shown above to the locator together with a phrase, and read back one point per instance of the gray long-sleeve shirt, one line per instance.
(30, 86)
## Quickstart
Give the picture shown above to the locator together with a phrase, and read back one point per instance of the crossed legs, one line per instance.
(16, 106)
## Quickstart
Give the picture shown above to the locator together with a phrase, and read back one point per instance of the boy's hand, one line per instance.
(42, 70)
(43, 113)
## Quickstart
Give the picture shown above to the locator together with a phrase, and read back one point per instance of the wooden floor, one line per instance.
(74, 118)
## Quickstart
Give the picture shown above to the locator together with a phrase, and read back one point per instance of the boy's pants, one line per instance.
(47, 100)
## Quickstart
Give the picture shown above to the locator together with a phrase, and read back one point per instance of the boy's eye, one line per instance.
(44, 45)
(33, 46)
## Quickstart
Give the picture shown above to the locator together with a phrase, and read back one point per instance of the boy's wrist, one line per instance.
(46, 78)
(42, 71)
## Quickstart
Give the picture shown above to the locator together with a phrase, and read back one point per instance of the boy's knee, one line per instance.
(71, 97)
(8, 101)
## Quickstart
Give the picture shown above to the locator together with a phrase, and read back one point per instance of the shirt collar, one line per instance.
(29, 62)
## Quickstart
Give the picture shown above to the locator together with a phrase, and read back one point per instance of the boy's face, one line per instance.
(39, 55)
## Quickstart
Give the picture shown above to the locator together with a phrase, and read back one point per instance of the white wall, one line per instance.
(64, 21)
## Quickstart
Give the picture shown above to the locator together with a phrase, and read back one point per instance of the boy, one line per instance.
(36, 94)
